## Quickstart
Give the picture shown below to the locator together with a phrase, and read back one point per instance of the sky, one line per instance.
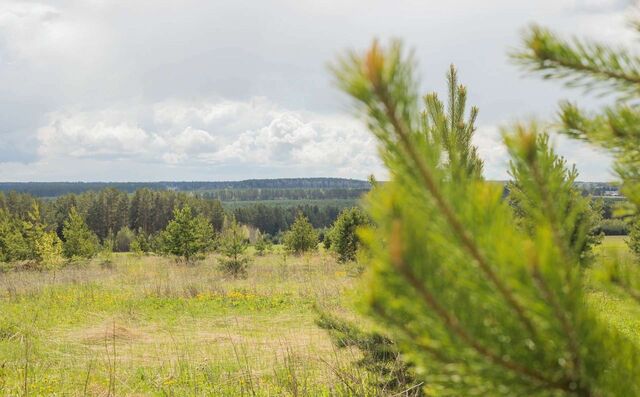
(152, 90)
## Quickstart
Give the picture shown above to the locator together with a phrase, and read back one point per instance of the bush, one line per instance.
(301, 237)
(124, 239)
(614, 227)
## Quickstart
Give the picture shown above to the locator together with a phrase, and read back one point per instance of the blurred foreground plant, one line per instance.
(479, 304)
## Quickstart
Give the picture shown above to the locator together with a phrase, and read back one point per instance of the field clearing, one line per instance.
(614, 242)
(141, 326)
(614, 302)
(149, 326)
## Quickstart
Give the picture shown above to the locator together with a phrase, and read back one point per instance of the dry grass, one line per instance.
(150, 326)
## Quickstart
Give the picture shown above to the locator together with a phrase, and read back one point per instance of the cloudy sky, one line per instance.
(99, 90)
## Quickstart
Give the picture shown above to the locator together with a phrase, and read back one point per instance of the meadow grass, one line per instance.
(140, 326)
(151, 326)
(609, 292)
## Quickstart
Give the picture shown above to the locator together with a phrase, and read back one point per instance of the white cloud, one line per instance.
(218, 90)
(169, 134)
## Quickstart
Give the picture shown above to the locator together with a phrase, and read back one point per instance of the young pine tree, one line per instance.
(477, 303)
(233, 244)
(45, 247)
(187, 236)
(581, 217)
(48, 250)
(141, 243)
(79, 241)
(302, 237)
(343, 237)
(13, 244)
(261, 245)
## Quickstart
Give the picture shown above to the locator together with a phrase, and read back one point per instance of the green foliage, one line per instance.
(614, 227)
(343, 236)
(123, 240)
(478, 304)
(13, 245)
(543, 186)
(380, 355)
(79, 241)
(28, 240)
(141, 243)
(233, 245)
(262, 244)
(48, 250)
(634, 236)
(301, 237)
(187, 236)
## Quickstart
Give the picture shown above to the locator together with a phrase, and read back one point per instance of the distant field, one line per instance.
(612, 301)
(618, 242)
(148, 326)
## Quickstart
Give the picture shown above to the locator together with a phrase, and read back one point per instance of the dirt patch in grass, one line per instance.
(108, 332)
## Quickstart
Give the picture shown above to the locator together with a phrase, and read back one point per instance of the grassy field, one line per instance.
(141, 326)
(149, 326)
(611, 299)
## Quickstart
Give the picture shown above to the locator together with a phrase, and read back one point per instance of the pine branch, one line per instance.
(453, 324)
(404, 134)
(580, 63)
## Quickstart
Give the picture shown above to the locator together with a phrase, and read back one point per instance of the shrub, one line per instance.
(301, 237)
(614, 227)
(123, 240)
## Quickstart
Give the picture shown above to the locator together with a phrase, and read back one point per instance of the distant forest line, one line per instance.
(270, 205)
(250, 189)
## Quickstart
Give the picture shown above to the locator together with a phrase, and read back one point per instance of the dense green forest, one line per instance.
(271, 210)
(147, 211)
